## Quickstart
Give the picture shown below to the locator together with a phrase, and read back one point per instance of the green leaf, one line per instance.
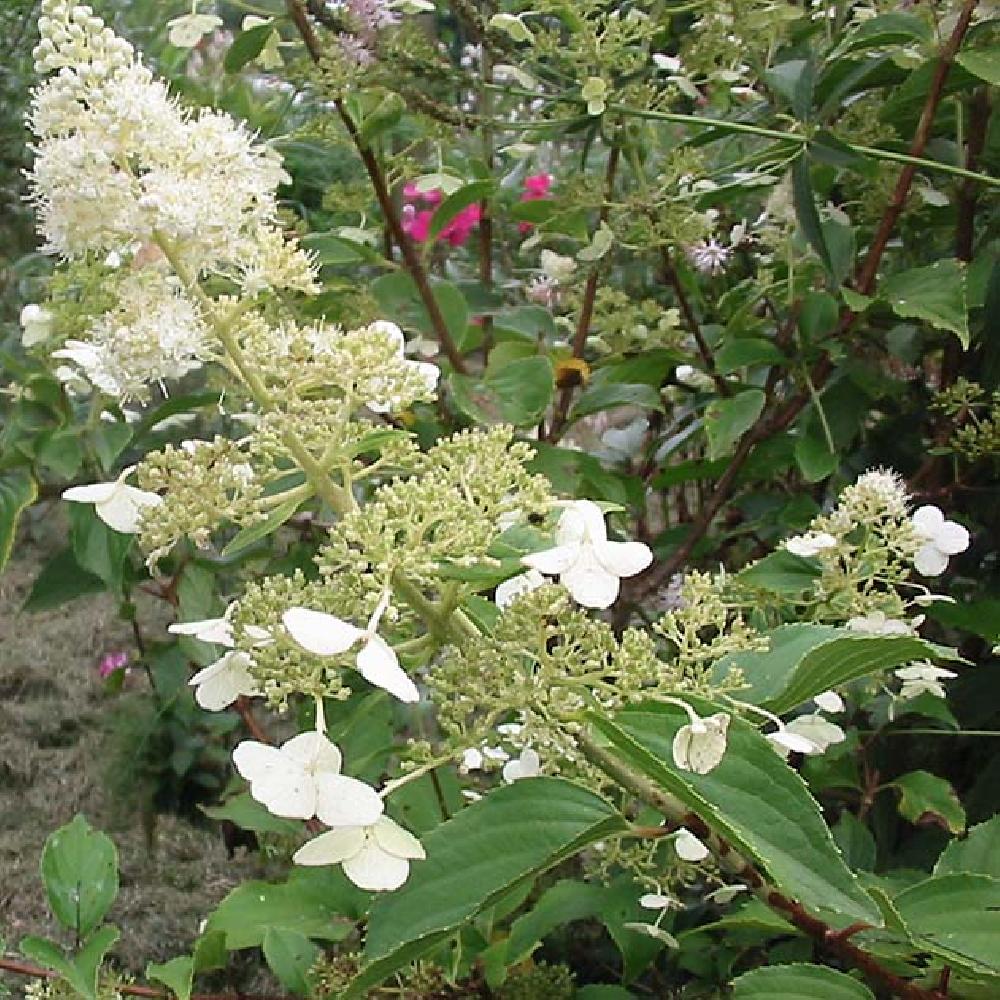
(517, 393)
(726, 420)
(814, 458)
(384, 116)
(781, 572)
(603, 991)
(805, 660)
(110, 440)
(81, 970)
(935, 294)
(513, 834)
(254, 533)
(608, 395)
(754, 800)
(399, 299)
(247, 46)
(926, 799)
(290, 955)
(329, 249)
(62, 453)
(977, 853)
(743, 352)
(806, 213)
(799, 982)
(80, 872)
(60, 581)
(984, 63)
(177, 975)
(98, 549)
(248, 814)
(18, 490)
(855, 841)
(455, 203)
(313, 903)
(51, 956)
(957, 917)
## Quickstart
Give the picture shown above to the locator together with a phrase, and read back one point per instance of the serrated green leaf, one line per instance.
(805, 659)
(799, 982)
(726, 420)
(515, 833)
(754, 800)
(18, 491)
(80, 872)
(925, 799)
(935, 294)
(957, 917)
(978, 853)
(781, 572)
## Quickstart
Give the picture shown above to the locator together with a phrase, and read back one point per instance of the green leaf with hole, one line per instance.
(799, 982)
(935, 294)
(80, 872)
(513, 834)
(753, 799)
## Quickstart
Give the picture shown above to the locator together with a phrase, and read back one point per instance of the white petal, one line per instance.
(122, 511)
(589, 582)
(701, 752)
(331, 848)
(429, 373)
(343, 801)
(313, 751)
(928, 520)
(276, 781)
(392, 331)
(375, 870)
(624, 558)
(393, 839)
(952, 538)
(816, 730)
(320, 633)
(95, 493)
(554, 561)
(221, 683)
(508, 591)
(792, 741)
(378, 664)
(655, 901)
(829, 701)
(215, 630)
(581, 520)
(930, 560)
(689, 847)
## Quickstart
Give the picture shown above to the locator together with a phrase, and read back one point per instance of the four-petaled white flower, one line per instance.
(876, 623)
(186, 31)
(921, 678)
(36, 323)
(375, 856)
(510, 590)
(222, 682)
(528, 765)
(428, 372)
(810, 544)
(117, 504)
(700, 745)
(816, 732)
(689, 847)
(587, 564)
(941, 539)
(302, 779)
(327, 635)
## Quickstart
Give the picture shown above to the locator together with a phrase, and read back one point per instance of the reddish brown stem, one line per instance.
(411, 258)
(587, 306)
(128, 989)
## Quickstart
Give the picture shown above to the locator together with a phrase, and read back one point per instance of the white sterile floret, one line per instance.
(214, 630)
(876, 623)
(689, 847)
(376, 857)
(36, 324)
(786, 741)
(700, 745)
(557, 267)
(117, 504)
(810, 544)
(941, 539)
(923, 678)
(725, 894)
(225, 680)
(188, 30)
(327, 635)
(829, 701)
(517, 586)
(817, 733)
(528, 765)
(588, 565)
(428, 373)
(472, 760)
(657, 901)
(302, 779)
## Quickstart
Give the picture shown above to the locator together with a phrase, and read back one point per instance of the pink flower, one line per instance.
(536, 188)
(112, 662)
(459, 229)
(416, 224)
(412, 193)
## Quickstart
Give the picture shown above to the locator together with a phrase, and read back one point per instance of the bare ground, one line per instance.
(53, 749)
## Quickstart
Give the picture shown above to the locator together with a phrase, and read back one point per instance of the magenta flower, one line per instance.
(416, 224)
(112, 662)
(459, 229)
(536, 188)
(416, 221)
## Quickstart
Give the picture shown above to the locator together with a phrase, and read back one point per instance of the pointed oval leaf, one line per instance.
(799, 982)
